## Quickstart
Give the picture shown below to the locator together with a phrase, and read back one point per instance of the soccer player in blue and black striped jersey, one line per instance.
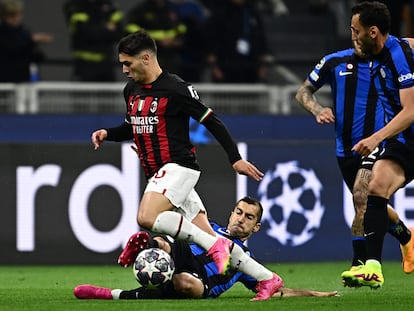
(392, 71)
(196, 275)
(357, 113)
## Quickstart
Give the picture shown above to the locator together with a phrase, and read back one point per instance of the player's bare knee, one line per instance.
(188, 285)
(379, 186)
(145, 222)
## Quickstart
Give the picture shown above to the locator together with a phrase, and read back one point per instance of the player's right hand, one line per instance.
(325, 116)
(98, 138)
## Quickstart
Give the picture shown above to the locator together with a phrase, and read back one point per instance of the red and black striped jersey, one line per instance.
(158, 118)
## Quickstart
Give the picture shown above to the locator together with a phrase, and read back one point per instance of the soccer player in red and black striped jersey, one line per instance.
(159, 106)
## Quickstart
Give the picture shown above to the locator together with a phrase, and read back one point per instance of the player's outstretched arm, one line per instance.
(294, 292)
(246, 168)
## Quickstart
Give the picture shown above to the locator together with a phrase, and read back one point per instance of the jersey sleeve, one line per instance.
(320, 73)
(404, 64)
(120, 133)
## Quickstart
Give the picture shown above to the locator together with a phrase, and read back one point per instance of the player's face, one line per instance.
(243, 221)
(361, 37)
(134, 67)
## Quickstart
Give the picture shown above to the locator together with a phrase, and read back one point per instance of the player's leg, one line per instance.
(405, 236)
(187, 280)
(88, 291)
(397, 227)
(184, 285)
(189, 285)
(189, 215)
(168, 206)
(170, 203)
(359, 197)
(357, 183)
(360, 181)
(387, 176)
(269, 282)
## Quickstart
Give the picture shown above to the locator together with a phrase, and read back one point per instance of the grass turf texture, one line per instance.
(51, 288)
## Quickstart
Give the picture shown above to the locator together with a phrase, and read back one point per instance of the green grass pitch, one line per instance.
(51, 288)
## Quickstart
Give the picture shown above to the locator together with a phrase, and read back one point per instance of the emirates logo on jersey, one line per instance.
(154, 106)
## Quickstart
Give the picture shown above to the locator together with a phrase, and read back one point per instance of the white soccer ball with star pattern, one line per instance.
(153, 267)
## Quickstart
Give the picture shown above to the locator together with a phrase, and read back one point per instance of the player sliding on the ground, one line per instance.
(196, 276)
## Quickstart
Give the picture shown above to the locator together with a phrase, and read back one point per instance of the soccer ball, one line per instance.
(291, 201)
(153, 267)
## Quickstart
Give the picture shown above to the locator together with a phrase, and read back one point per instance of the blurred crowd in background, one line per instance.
(220, 41)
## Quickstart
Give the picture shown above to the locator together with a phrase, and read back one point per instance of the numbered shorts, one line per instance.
(350, 166)
(177, 183)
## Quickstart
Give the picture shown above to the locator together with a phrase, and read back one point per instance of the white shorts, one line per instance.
(177, 183)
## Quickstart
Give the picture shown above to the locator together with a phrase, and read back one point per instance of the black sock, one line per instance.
(358, 245)
(165, 292)
(375, 226)
(400, 232)
(141, 293)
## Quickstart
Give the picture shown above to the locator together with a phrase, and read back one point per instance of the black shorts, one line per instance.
(350, 166)
(403, 154)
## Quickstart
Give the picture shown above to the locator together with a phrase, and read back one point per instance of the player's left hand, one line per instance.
(246, 168)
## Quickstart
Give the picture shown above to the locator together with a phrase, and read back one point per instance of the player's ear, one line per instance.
(373, 32)
(257, 227)
(145, 58)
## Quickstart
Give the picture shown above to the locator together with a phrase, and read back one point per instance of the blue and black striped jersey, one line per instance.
(356, 105)
(393, 70)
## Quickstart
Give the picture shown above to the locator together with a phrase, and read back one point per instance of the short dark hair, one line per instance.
(137, 42)
(373, 13)
(253, 201)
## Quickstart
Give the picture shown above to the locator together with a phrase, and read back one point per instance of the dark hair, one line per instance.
(137, 42)
(373, 13)
(253, 201)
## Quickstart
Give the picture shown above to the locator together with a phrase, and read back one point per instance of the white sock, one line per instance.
(178, 227)
(115, 293)
(243, 262)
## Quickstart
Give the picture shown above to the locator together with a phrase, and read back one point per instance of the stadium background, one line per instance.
(62, 203)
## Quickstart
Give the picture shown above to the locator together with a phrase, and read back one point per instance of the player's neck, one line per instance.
(380, 44)
(153, 75)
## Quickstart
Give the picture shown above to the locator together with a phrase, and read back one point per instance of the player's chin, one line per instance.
(236, 231)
